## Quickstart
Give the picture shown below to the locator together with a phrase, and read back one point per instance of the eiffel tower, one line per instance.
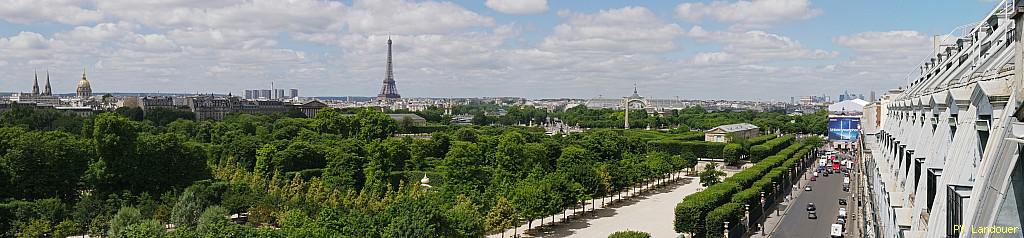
(389, 92)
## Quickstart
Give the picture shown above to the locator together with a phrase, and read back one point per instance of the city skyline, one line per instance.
(537, 49)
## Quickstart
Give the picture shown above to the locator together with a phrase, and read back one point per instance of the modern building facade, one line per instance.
(946, 155)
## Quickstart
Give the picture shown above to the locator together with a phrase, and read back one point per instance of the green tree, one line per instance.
(148, 228)
(710, 175)
(375, 125)
(465, 219)
(212, 219)
(65, 228)
(501, 217)
(264, 159)
(732, 153)
(126, 216)
(43, 164)
(188, 208)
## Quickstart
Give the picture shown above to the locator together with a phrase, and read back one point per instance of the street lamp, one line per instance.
(762, 212)
(726, 231)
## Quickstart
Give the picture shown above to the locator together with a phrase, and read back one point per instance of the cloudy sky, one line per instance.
(759, 49)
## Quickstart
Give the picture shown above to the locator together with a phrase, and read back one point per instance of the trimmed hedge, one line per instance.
(701, 149)
(731, 212)
(690, 213)
(629, 234)
(761, 139)
(731, 153)
(702, 213)
(773, 146)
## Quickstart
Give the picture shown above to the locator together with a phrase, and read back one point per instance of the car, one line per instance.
(815, 178)
(842, 201)
(842, 213)
(812, 215)
(841, 221)
(846, 188)
(811, 207)
(808, 188)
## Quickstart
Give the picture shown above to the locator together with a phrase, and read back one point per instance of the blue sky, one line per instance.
(760, 49)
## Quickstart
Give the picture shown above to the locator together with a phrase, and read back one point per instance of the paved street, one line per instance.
(825, 195)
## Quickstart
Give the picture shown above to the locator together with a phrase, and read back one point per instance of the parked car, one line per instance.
(842, 213)
(842, 201)
(810, 207)
(812, 215)
(815, 178)
(808, 188)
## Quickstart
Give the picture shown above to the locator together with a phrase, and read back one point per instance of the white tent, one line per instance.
(848, 107)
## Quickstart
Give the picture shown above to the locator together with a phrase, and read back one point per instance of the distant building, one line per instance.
(279, 94)
(294, 93)
(415, 119)
(719, 133)
(265, 94)
(84, 89)
(249, 94)
(150, 103)
(311, 108)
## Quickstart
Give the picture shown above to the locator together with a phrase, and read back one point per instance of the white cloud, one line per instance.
(405, 17)
(25, 40)
(753, 46)
(518, 6)
(883, 58)
(888, 41)
(62, 11)
(255, 15)
(625, 30)
(749, 13)
(102, 32)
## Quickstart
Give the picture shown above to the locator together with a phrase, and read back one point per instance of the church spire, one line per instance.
(35, 85)
(46, 89)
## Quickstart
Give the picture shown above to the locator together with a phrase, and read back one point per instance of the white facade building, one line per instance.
(945, 158)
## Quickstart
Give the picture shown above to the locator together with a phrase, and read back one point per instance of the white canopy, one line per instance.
(855, 106)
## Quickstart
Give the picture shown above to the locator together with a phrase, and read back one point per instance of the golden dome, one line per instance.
(84, 89)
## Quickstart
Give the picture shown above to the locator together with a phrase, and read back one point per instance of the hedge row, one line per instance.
(747, 177)
(771, 147)
(689, 136)
(692, 212)
(752, 195)
(731, 212)
(761, 139)
(701, 149)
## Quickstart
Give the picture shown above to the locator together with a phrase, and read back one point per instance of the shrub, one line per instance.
(731, 152)
(690, 214)
(761, 139)
(731, 212)
(629, 234)
(701, 149)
